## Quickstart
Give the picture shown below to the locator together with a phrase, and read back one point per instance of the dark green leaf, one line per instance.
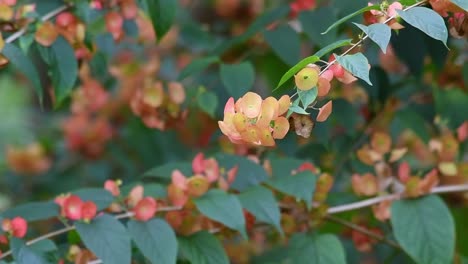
(208, 102)
(101, 197)
(155, 190)
(425, 229)
(249, 173)
(316, 249)
(107, 238)
(337, 44)
(451, 105)
(33, 211)
(156, 240)
(45, 245)
(307, 97)
(285, 43)
(224, 208)
(314, 22)
(197, 66)
(162, 13)
(202, 248)
(461, 3)
(300, 185)
(348, 17)
(283, 167)
(356, 64)
(23, 254)
(412, 120)
(261, 203)
(165, 171)
(379, 33)
(426, 20)
(19, 60)
(237, 78)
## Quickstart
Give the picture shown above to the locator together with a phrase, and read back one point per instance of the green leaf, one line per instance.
(202, 248)
(156, 240)
(19, 60)
(300, 185)
(283, 167)
(285, 43)
(155, 190)
(461, 3)
(297, 109)
(379, 33)
(101, 197)
(425, 229)
(45, 245)
(316, 249)
(197, 66)
(107, 238)
(165, 171)
(260, 202)
(348, 17)
(249, 173)
(451, 105)
(356, 64)
(237, 78)
(162, 13)
(208, 102)
(24, 254)
(314, 22)
(329, 48)
(426, 20)
(412, 120)
(224, 208)
(307, 97)
(33, 211)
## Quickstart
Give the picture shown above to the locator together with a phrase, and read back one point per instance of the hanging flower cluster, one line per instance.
(254, 121)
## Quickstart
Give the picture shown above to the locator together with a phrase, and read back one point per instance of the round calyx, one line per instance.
(306, 78)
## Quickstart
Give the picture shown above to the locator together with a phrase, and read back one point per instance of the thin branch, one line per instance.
(379, 199)
(363, 230)
(46, 17)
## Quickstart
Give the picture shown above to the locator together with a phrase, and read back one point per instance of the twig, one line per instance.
(363, 230)
(46, 17)
(376, 200)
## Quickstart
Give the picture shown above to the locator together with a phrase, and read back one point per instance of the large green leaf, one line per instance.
(164, 172)
(283, 167)
(224, 208)
(33, 211)
(451, 105)
(24, 254)
(208, 102)
(426, 20)
(316, 249)
(285, 43)
(21, 62)
(379, 33)
(425, 229)
(412, 120)
(261, 203)
(197, 66)
(101, 197)
(237, 78)
(249, 173)
(162, 13)
(348, 17)
(156, 240)
(356, 64)
(107, 238)
(202, 248)
(300, 185)
(316, 21)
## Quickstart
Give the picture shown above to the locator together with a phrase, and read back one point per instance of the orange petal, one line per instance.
(240, 122)
(229, 107)
(323, 87)
(381, 142)
(153, 95)
(306, 78)
(283, 104)
(266, 138)
(325, 112)
(176, 92)
(281, 127)
(268, 112)
(251, 135)
(251, 104)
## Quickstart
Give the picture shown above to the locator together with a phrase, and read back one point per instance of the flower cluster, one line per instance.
(254, 121)
(16, 227)
(31, 159)
(206, 172)
(73, 208)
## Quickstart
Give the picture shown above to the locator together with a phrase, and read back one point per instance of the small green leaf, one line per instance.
(297, 109)
(33, 211)
(285, 43)
(356, 64)
(426, 20)
(164, 172)
(237, 78)
(300, 185)
(299, 66)
(208, 102)
(224, 208)
(260, 202)
(307, 97)
(197, 66)
(156, 240)
(348, 17)
(317, 249)
(202, 248)
(249, 173)
(425, 229)
(329, 48)
(107, 238)
(101, 197)
(379, 33)
(461, 3)
(451, 105)
(24, 254)
(162, 13)
(19, 60)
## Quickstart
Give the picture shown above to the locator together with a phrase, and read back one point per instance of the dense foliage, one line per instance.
(233, 131)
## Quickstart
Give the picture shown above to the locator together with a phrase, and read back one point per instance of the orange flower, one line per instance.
(31, 159)
(365, 185)
(113, 187)
(17, 226)
(88, 211)
(72, 207)
(145, 209)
